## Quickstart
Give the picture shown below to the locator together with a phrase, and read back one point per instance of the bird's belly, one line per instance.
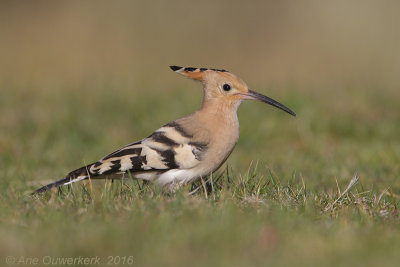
(177, 176)
(149, 176)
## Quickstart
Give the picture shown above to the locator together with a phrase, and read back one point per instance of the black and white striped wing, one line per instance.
(166, 149)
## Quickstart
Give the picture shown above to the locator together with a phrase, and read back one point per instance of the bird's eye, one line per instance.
(226, 87)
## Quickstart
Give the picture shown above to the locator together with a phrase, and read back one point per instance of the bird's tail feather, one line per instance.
(57, 183)
(72, 177)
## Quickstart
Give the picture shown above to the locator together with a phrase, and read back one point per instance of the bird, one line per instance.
(184, 150)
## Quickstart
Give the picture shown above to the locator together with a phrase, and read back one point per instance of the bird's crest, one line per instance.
(194, 73)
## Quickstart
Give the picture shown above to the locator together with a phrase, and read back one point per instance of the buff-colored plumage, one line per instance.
(185, 149)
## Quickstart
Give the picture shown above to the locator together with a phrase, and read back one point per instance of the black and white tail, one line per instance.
(72, 177)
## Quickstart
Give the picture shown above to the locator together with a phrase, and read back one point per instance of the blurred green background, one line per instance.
(79, 79)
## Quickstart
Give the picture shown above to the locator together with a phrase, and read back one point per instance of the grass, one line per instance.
(285, 196)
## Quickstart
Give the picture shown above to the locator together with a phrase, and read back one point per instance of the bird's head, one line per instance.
(225, 87)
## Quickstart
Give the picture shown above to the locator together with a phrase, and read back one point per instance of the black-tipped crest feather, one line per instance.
(175, 68)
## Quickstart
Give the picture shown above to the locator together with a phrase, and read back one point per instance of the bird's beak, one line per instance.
(251, 95)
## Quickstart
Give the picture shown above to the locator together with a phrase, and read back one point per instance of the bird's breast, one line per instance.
(212, 138)
(222, 141)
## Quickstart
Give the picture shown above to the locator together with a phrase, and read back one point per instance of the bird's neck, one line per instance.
(220, 112)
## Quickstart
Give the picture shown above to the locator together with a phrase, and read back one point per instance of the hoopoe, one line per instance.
(186, 149)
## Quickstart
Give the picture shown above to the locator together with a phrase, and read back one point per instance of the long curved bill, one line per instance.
(251, 95)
